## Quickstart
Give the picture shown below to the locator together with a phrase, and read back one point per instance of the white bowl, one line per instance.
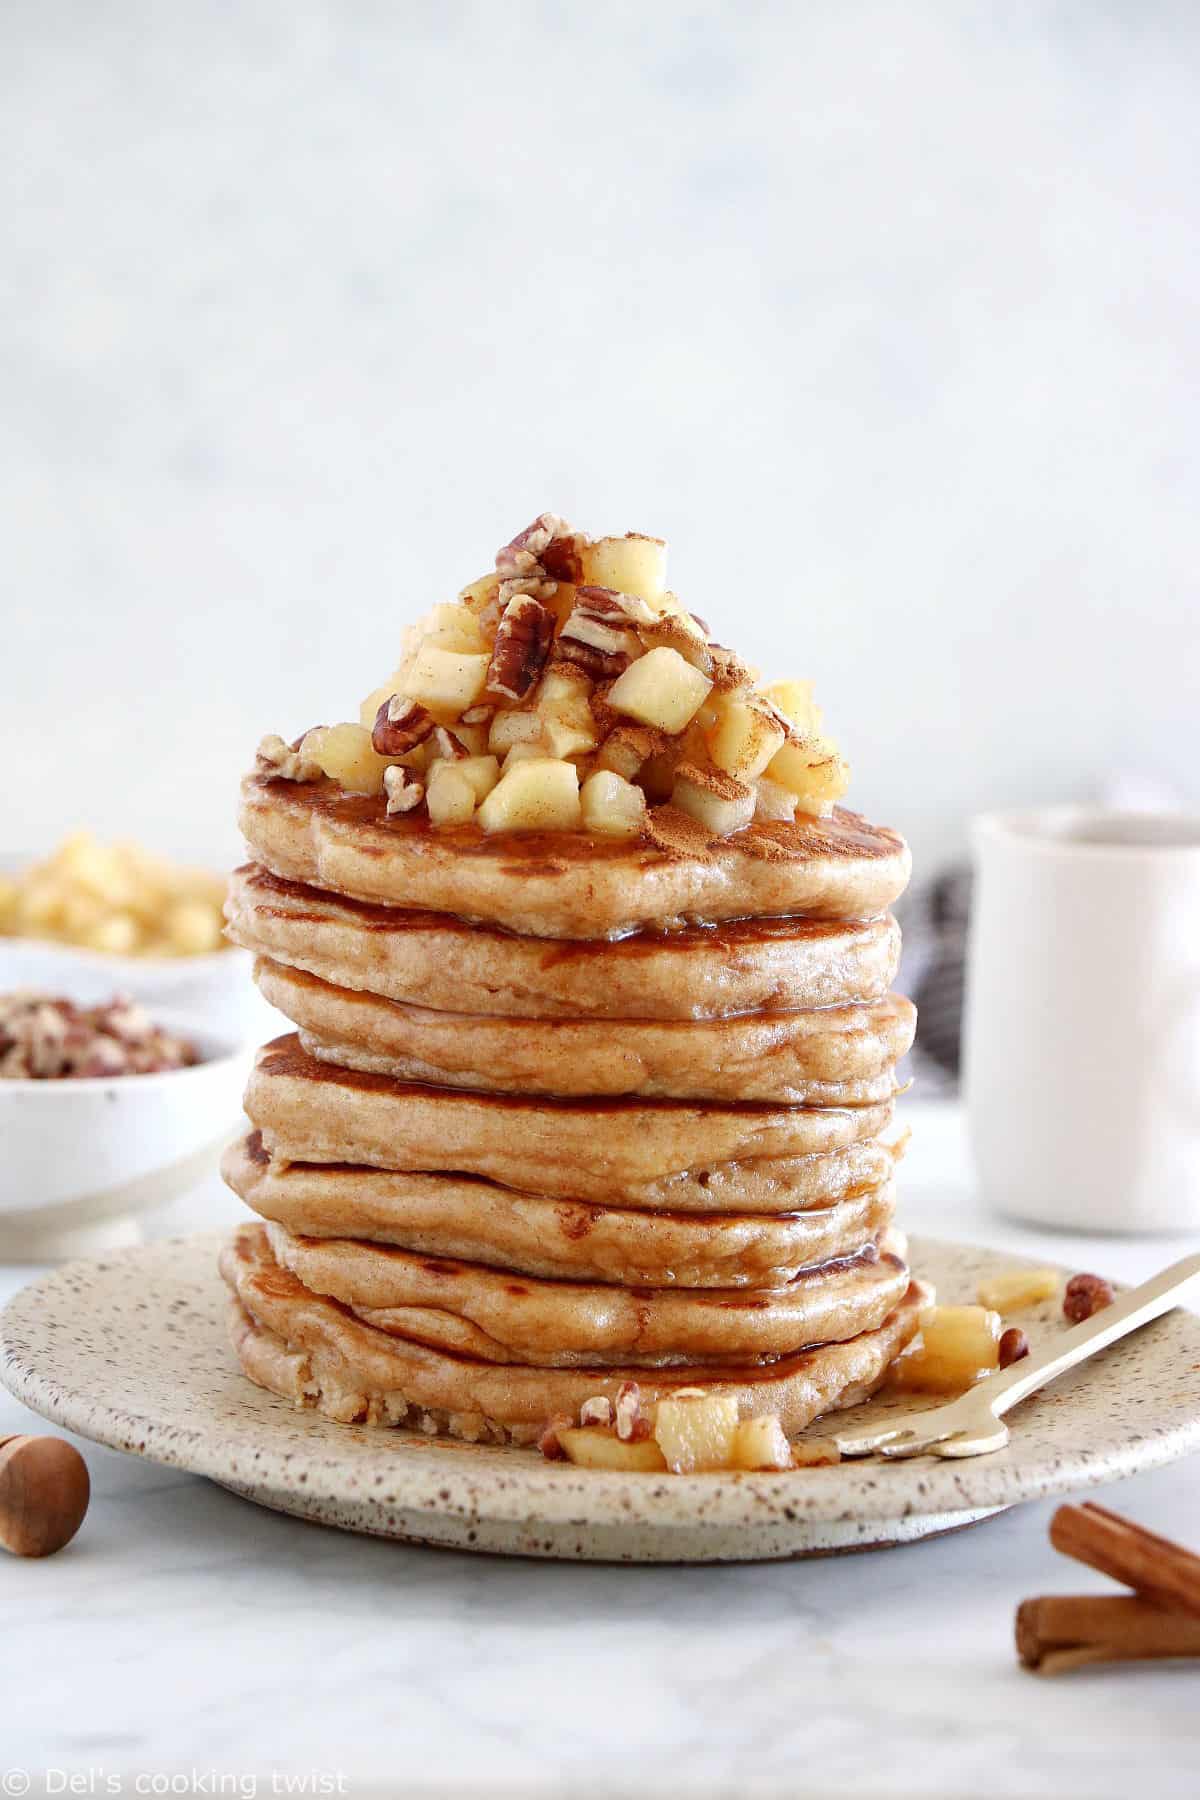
(215, 987)
(82, 1158)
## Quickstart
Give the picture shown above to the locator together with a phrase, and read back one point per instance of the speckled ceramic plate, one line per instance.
(131, 1351)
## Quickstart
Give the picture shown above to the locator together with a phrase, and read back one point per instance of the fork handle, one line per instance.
(1127, 1313)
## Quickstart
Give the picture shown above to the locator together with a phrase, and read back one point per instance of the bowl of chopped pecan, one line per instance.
(106, 1111)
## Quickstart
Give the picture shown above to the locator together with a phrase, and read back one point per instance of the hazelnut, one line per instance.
(44, 1493)
(1085, 1295)
(1013, 1346)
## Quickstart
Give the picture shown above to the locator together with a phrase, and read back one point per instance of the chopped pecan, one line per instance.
(400, 725)
(47, 1038)
(523, 639)
(613, 606)
(525, 554)
(600, 665)
(534, 585)
(627, 1411)
(449, 747)
(599, 634)
(596, 1411)
(286, 762)
(404, 791)
(478, 715)
(548, 1442)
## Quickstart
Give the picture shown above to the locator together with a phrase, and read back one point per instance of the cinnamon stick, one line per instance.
(1066, 1631)
(1163, 1573)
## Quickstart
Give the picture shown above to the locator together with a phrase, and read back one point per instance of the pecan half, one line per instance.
(286, 762)
(536, 586)
(601, 665)
(400, 725)
(404, 791)
(526, 553)
(522, 646)
(599, 634)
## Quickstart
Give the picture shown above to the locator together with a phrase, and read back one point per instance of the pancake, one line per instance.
(496, 1316)
(568, 884)
(476, 1221)
(312, 1111)
(316, 1354)
(841, 1056)
(435, 960)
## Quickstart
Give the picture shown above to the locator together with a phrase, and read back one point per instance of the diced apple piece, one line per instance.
(612, 805)
(483, 772)
(813, 771)
(539, 795)
(744, 739)
(677, 630)
(346, 755)
(696, 1431)
(815, 1453)
(473, 738)
(656, 777)
(627, 748)
(454, 628)
(632, 564)
(599, 1447)
(761, 1444)
(957, 1347)
(773, 802)
(794, 700)
(1017, 1289)
(571, 732)
(446, 681)
(509, 728)
(450, 794)
(479, 595)
(562, 704)
(660, 689)
(523, 753)
(720, 803)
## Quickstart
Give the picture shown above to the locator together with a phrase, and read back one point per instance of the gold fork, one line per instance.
(972, 1425)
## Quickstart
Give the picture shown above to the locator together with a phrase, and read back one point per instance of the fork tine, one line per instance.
(916, 1443)
(865, 1443)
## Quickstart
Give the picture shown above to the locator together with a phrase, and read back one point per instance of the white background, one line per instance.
(885, 315)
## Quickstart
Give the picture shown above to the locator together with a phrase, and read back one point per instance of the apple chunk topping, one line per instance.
(661, 690)
(541, 794)
(570, 689)
(689, 1432)
(720, 803)
(612, 805)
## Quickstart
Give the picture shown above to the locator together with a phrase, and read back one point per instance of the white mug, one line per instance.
(1082, 1031)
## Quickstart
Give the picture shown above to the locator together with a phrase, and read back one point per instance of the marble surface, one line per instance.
(188, 1642)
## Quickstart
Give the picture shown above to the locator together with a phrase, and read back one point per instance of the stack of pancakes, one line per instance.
(537, 1134)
